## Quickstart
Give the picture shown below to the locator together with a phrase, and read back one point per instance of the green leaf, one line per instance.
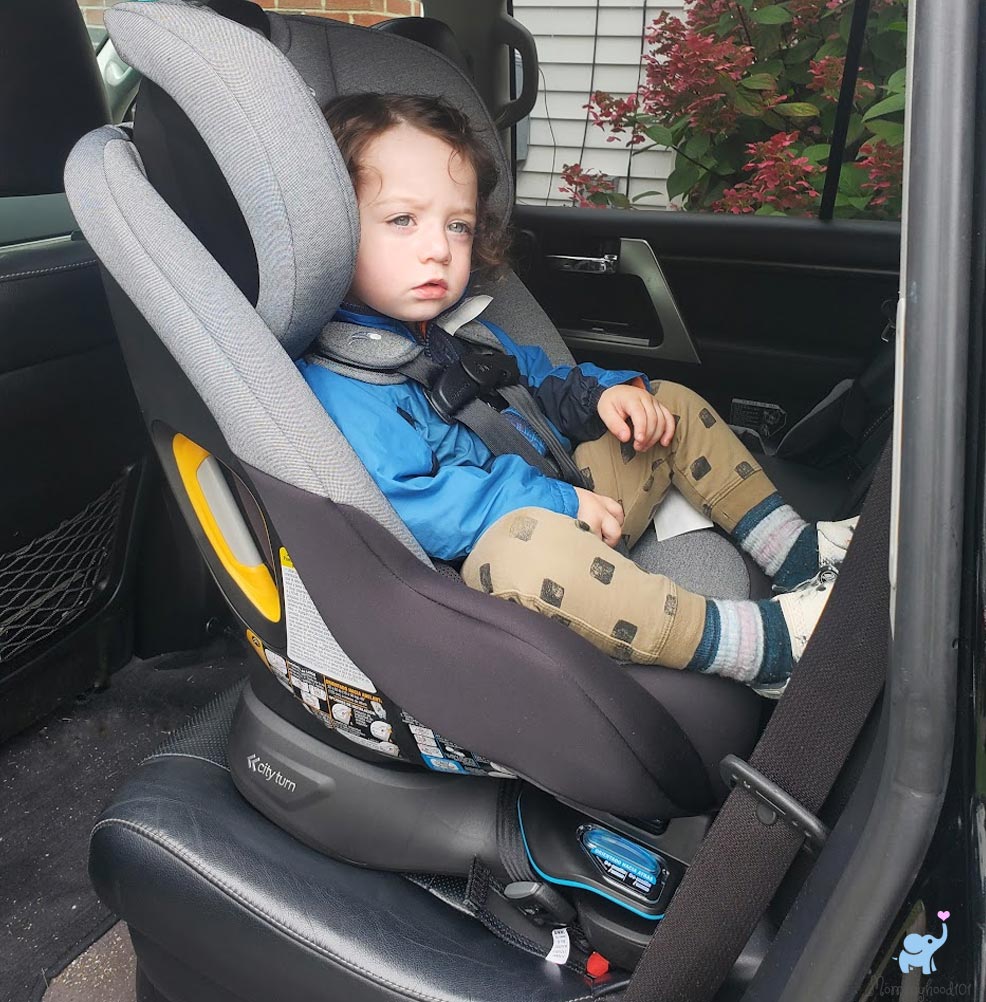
(775, 67)
(768, 40)
(747, 104)
(619, 200)
(726, 24)
(800, 53)
(796, 109)
(817, 154)
(646, 194)
(772, 15)
(833, 47)
(697, 146)
(845, 26)
(759, 81)
(850, 179)
(856, 129)
(889, 104)
(774, 121)
(896, 81)
(892, 133)
(768, 210)
(682, 179)
(900, 26)
(660, 134)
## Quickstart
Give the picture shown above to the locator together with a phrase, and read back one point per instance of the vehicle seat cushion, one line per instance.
(188, 864)
(48, 66)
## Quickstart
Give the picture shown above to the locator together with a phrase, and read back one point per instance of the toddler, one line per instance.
(423, 180)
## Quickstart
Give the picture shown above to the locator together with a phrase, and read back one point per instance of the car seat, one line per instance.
(397, 719)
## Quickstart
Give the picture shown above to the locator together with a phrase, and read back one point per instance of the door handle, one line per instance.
(635, 258)
(605, 265)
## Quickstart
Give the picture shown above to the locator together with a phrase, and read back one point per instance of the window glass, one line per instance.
(712, 105)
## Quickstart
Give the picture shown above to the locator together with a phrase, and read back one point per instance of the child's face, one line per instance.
(417, 211)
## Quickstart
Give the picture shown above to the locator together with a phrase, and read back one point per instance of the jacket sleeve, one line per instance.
(447, 506)
(567, 394)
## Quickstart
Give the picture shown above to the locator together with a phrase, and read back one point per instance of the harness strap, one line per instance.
(496, 432)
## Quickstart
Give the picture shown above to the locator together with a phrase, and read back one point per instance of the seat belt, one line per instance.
(770, 814)
(454, 393)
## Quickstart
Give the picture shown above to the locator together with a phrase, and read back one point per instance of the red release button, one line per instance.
(596, 966)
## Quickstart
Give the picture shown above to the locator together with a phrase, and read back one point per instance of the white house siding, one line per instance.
(560, 130)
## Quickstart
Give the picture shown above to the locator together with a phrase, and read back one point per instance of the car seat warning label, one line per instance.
(442, 755)
(354, 713)
(309, 639)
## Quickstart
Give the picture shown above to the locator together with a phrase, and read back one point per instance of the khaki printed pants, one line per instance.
(554, 565)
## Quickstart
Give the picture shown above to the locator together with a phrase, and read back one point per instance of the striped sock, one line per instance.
(780, 541)
(746, 641)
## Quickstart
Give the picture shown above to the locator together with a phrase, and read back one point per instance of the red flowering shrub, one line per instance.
(744, 92)
(781, 179)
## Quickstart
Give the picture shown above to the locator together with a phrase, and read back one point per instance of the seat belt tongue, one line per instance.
(774, 803)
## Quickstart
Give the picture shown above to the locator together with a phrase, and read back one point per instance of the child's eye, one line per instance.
(460, 227)
(402, 221)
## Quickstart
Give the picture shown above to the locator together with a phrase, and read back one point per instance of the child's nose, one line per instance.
(435, 244)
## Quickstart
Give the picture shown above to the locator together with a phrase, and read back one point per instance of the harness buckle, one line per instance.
(774, 803)
(473, 374)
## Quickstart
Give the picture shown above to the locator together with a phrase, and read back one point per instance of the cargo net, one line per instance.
(54, 579)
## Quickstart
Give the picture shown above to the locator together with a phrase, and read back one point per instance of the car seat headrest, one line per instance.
(261, 124)
(429, 31)
(50, 93)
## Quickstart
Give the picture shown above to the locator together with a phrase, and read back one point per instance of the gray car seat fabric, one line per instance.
(305, 238)
(273, 147)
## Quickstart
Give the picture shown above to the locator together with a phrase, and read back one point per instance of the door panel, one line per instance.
(778, 310)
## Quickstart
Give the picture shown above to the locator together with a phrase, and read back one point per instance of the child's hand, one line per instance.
(652, 422)
(603, 515)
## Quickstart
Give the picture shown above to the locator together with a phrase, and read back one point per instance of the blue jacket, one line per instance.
(441, 479)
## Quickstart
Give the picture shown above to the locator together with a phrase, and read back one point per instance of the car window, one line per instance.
(725, 106)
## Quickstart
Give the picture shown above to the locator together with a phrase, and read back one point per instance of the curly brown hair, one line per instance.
(355, 120)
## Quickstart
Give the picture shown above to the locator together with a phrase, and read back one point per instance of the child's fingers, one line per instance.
(669, 426)
(615, 419)
(611, 530)
(613, 507)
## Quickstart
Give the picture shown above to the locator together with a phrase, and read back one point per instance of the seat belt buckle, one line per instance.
(472, 375)
(774, 804)
(490, 371)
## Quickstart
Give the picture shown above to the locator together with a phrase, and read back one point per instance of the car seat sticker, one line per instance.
(356, 714)
(561, 947)
(442, 755)
(309, 640)
(278, 666)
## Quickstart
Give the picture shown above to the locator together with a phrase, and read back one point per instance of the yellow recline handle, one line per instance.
(224, 527)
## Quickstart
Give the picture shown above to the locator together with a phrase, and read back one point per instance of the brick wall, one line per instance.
(352, 11)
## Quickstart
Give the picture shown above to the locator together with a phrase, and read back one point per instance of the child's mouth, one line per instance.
(431, 290)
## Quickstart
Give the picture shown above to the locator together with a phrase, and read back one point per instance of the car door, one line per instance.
(729, 282)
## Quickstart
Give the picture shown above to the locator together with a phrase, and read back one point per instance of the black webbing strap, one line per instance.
(742, 860)
(495, 430)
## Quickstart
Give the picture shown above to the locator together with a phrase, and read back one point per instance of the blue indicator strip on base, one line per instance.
(575, 883)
